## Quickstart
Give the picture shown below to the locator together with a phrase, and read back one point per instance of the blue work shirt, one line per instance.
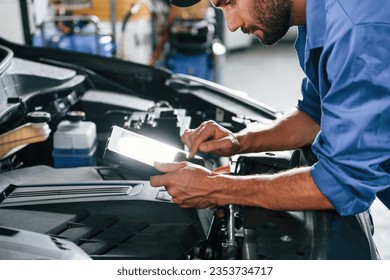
(344, 49)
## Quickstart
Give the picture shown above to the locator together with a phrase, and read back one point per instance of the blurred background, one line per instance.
(192, 40)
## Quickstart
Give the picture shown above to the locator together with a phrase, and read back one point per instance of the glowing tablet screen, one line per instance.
(141, 148)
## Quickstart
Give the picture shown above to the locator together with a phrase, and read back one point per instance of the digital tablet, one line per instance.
(138, 152)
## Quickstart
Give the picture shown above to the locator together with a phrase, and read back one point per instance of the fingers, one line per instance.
(169, 166)
(161, 180)
(191, 139)
(214, 145)
(187, 140)
(186, 183)
(157, 181)
(205, 132)
(195, 138)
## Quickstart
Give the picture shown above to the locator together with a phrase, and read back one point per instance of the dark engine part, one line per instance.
(108, 219)
(166, 124)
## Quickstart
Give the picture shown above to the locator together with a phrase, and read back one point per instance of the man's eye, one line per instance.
(229, 3)
(219, 4)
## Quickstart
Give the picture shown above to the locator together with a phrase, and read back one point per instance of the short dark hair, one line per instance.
(184, 3)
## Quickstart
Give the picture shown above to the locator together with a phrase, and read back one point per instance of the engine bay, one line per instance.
(110, 211)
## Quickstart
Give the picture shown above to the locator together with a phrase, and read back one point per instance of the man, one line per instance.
(344, 48)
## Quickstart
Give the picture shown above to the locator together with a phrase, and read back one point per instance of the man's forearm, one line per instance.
(290, 190)
(294, 130)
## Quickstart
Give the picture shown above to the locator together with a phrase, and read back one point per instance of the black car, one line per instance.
(105, 208)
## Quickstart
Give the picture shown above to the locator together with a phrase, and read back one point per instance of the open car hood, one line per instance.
(106, 211)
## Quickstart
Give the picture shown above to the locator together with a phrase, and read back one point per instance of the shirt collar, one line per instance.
(315, 23)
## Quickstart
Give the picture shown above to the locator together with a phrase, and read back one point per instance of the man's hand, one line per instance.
(211, 137)
(188, 184)
(194, 186)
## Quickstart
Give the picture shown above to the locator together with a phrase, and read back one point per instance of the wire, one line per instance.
(223, 169)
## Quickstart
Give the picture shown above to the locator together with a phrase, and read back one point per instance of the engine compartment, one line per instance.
(109, 211)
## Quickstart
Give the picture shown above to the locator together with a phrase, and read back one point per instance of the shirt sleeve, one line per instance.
(310, 103)
(354, 141)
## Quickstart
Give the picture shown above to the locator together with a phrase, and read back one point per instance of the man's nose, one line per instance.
(232, 19)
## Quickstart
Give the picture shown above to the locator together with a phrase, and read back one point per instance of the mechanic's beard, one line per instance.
(274, 16)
